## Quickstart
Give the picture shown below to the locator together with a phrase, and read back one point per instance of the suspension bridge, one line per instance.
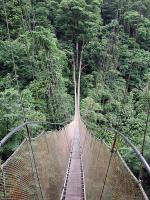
(68, 164)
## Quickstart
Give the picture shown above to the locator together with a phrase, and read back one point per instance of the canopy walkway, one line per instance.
(69, 164)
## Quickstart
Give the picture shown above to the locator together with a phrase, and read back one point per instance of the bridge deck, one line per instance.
(74, 189)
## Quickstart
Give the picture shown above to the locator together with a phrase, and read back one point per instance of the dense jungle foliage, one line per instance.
(41, 41)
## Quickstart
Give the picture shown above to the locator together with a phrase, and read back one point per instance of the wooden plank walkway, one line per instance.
(74, 186)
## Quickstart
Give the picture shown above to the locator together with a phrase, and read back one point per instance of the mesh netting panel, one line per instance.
(37, 168)
(1, 186)
(54, 164)
(18, 175)
(120, 184)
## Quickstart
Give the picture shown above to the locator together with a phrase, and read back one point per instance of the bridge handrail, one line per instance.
(134, 148)
(18, 128)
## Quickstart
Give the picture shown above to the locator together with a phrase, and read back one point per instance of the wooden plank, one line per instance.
(74, 188)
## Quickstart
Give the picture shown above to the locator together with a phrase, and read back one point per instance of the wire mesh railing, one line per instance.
(36, 170)
(107, 176)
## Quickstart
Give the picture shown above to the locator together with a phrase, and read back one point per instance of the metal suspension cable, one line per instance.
(34, 161)
(144, 136)
(145, 131)
(138, 153)
(108, 167)
(134, 148)
(18, 128)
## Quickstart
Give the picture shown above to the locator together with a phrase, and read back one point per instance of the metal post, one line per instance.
(107, 171)
(32, 167)
(34, 162)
